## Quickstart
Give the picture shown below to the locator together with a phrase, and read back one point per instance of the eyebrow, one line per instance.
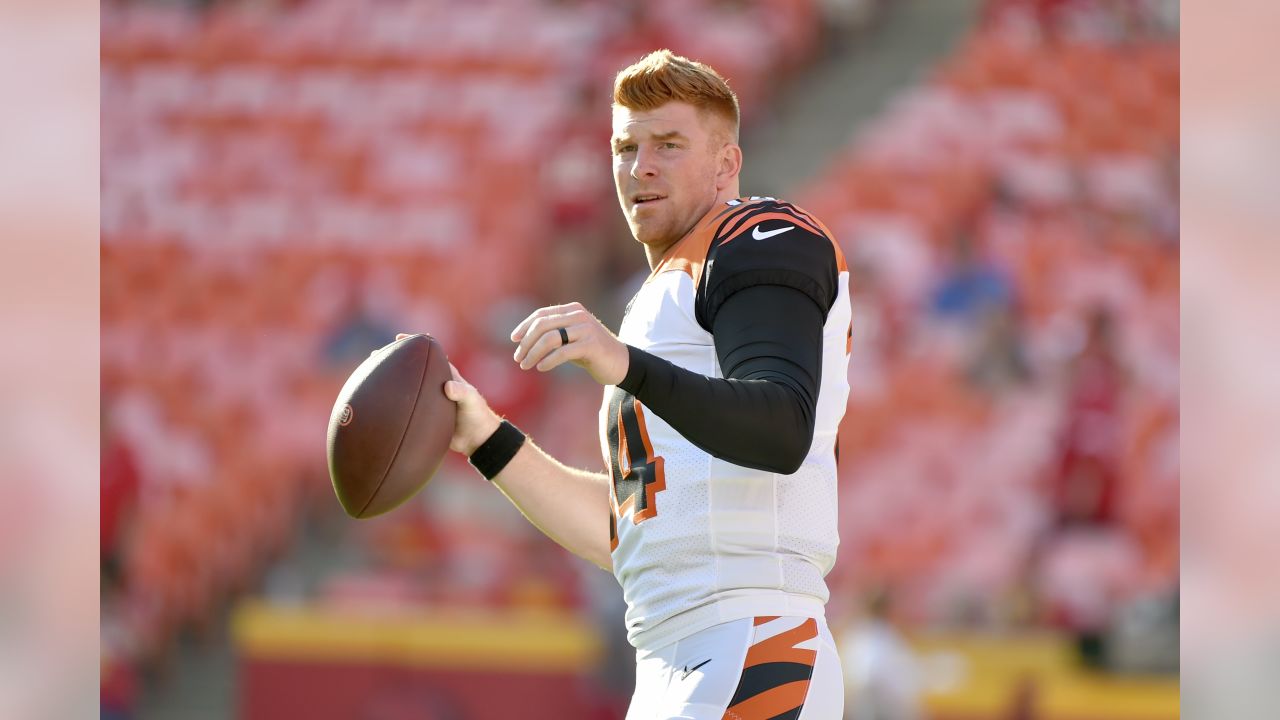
(669, 136)
(659, 137)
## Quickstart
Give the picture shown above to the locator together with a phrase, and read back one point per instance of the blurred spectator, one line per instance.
(119, 682)
(970, 285)
(999, 362)
(882, 675)
(1090, 452)
(119, 494)
(357, 333)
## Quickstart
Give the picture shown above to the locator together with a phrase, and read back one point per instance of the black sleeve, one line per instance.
(761, 414)
(770, 250)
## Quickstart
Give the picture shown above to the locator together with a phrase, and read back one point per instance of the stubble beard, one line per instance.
(657, 236)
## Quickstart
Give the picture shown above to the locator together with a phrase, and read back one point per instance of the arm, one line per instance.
(768, 339)
(765, 304)
(569, 506)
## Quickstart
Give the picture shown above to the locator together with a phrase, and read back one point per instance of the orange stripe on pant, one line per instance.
(781, 647)
(778, 662)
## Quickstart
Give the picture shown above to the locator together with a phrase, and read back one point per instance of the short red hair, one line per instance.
(662, 77)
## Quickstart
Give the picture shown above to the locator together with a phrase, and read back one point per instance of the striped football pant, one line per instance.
(764, 668)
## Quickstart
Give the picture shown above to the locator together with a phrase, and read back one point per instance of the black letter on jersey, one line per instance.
(637, 474)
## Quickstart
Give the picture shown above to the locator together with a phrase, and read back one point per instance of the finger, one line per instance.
(518, 334)
(401, 336)
(543, 327)
(551, 342)
(561, 355)
(456, 388)
(535, 346)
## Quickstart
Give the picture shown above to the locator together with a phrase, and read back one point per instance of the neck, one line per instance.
(655, 254)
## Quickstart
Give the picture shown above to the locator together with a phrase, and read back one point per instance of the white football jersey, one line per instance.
(697, 540)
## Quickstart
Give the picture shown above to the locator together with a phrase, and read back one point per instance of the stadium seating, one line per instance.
(267, 170)
(1056, 157)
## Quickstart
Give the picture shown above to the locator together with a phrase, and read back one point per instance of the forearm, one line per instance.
(569, 506)
(758, 422)
(761, 413)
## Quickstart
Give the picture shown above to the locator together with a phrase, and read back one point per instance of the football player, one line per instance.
(723, 391)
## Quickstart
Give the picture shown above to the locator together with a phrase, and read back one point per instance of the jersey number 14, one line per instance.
(637, 473)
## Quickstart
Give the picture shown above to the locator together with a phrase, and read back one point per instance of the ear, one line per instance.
(728, 165)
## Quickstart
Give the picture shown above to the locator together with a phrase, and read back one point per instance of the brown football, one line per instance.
(391, 426)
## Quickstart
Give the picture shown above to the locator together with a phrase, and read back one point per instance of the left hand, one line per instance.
(591, 345)
(475, 421)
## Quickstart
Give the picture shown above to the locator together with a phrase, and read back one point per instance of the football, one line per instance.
(390, 427)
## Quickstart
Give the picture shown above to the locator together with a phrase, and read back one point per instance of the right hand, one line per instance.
(585, 342)
(475, 421)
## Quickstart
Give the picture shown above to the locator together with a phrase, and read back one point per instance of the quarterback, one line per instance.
(723, 391)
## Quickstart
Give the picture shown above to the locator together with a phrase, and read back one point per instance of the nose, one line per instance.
(644, 166)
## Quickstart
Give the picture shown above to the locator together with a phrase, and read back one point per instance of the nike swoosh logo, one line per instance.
(755, 232)
(688, 669)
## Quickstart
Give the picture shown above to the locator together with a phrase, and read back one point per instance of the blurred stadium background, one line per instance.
(286, 184)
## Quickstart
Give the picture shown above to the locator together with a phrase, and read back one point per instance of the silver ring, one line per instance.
(564, 337)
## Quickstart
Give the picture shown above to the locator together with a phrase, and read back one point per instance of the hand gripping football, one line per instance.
(390, 426)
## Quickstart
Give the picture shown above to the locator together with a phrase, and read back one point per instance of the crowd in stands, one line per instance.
(1010, 451)
(287, 185)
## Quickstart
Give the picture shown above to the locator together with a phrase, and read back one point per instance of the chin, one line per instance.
(655, 229)
(649, 235)
(642, 232)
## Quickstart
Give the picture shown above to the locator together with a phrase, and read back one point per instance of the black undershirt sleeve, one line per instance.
(768, 339)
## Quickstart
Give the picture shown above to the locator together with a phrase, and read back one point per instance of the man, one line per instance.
(723, 392)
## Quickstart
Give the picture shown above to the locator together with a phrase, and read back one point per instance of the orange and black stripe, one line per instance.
(689, 254)
(775, 675)
(720, 225)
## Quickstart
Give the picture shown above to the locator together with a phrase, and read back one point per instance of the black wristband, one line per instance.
(494, 454)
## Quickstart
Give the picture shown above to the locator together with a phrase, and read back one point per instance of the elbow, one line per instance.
(793, 447)
(790, 463)
(770, 456)
(788, 452)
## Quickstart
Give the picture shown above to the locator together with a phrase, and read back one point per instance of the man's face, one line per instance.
(664, 166)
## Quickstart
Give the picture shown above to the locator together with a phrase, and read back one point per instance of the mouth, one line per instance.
(641, 199)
